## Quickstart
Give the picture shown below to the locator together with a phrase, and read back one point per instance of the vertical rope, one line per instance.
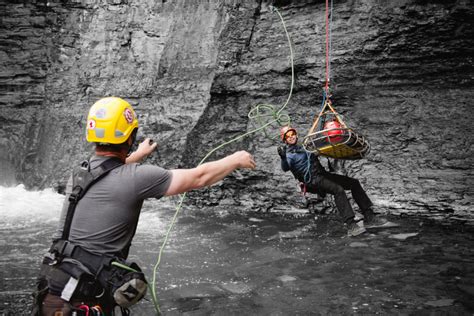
(330, 41)
(327, 45)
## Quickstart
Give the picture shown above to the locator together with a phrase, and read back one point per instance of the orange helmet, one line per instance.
(284, 130)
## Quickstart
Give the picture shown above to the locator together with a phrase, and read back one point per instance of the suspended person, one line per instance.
(77, 274)
(307, 169)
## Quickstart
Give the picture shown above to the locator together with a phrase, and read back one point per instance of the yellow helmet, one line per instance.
(111, 121)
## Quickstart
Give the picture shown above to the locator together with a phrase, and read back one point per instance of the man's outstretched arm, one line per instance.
(184, 180)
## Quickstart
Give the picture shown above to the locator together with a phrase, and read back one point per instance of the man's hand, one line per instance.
(244, 160)
(145, 148)
(282, 152)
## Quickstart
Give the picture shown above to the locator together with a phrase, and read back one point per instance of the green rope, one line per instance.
(257, 113)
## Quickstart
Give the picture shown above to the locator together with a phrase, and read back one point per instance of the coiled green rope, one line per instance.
(258, 113)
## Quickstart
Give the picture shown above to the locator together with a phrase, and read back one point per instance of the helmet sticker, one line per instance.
(129, 116)
(100, 113)
(91, 124)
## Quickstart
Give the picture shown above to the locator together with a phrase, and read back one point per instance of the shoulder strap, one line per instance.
(82, 179)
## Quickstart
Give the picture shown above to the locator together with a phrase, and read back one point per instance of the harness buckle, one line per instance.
(74, 198)
(75, 195)
(50, 259)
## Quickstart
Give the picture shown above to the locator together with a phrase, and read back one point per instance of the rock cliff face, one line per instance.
(401, 74)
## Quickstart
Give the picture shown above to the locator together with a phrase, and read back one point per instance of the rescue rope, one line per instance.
(258, 113)
(328, 43)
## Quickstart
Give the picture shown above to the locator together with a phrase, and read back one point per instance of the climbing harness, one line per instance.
(108, 278)
(329, 136)
(258, 113)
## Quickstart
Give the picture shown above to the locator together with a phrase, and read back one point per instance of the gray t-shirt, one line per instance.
(106, 217)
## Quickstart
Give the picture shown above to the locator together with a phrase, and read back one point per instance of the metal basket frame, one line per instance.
(338, 143)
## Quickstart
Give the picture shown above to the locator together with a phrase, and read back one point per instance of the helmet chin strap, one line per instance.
(130, 150)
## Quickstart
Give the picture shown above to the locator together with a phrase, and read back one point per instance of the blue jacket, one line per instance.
(304, 166)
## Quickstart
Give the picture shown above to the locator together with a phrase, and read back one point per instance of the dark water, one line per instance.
(273, 264)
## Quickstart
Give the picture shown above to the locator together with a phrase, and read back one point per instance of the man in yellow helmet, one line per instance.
(307, 169)
(112, 125)
(100, 214)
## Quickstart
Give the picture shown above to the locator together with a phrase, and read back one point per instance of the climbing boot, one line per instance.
(304, 202)
(371, 220)
(353, 229)
(375, 221)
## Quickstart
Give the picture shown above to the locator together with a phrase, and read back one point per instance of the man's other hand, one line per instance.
(146, 147)
(282, 152)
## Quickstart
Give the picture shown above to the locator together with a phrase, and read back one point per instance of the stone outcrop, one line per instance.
(401, 73)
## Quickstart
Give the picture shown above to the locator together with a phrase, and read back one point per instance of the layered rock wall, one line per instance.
(401, 73)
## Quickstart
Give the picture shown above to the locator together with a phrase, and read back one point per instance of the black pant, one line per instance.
(336, 185)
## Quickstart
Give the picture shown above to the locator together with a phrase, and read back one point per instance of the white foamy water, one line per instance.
(18, 205)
